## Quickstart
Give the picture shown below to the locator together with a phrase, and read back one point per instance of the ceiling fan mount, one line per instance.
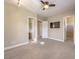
(46, 4)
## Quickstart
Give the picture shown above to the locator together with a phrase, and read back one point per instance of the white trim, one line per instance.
(65, 28)
(31, 17)
(14, 46)
(56, 39)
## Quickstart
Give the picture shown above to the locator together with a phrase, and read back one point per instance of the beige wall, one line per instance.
(56, 33)
(71, 20)
(16, 25)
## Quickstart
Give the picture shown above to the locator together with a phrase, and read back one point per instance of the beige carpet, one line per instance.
(50, 50)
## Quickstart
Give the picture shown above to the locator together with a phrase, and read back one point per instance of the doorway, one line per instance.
(39, 29)
(70, 28)
(31, 26)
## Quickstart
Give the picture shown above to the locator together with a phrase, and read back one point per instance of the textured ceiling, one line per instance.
(62, 6)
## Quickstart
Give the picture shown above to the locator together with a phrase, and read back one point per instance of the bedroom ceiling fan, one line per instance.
(46, 5)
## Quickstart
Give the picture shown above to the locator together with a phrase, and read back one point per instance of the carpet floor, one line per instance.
(51, 49)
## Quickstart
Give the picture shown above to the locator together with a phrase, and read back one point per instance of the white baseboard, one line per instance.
(57, 39)
(21, 44)
(14, 46)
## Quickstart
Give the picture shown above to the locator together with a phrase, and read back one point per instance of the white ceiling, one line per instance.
(62, 6)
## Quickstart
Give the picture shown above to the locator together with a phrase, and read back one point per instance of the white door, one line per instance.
(45, 29)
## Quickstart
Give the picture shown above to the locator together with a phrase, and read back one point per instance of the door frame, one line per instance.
(35, 28)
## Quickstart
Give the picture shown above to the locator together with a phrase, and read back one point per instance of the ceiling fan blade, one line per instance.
(43, 8)
(51, 5)
(46, 2)
(42, 2)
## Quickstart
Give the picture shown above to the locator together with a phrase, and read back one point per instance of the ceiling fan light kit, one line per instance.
(46, 6)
